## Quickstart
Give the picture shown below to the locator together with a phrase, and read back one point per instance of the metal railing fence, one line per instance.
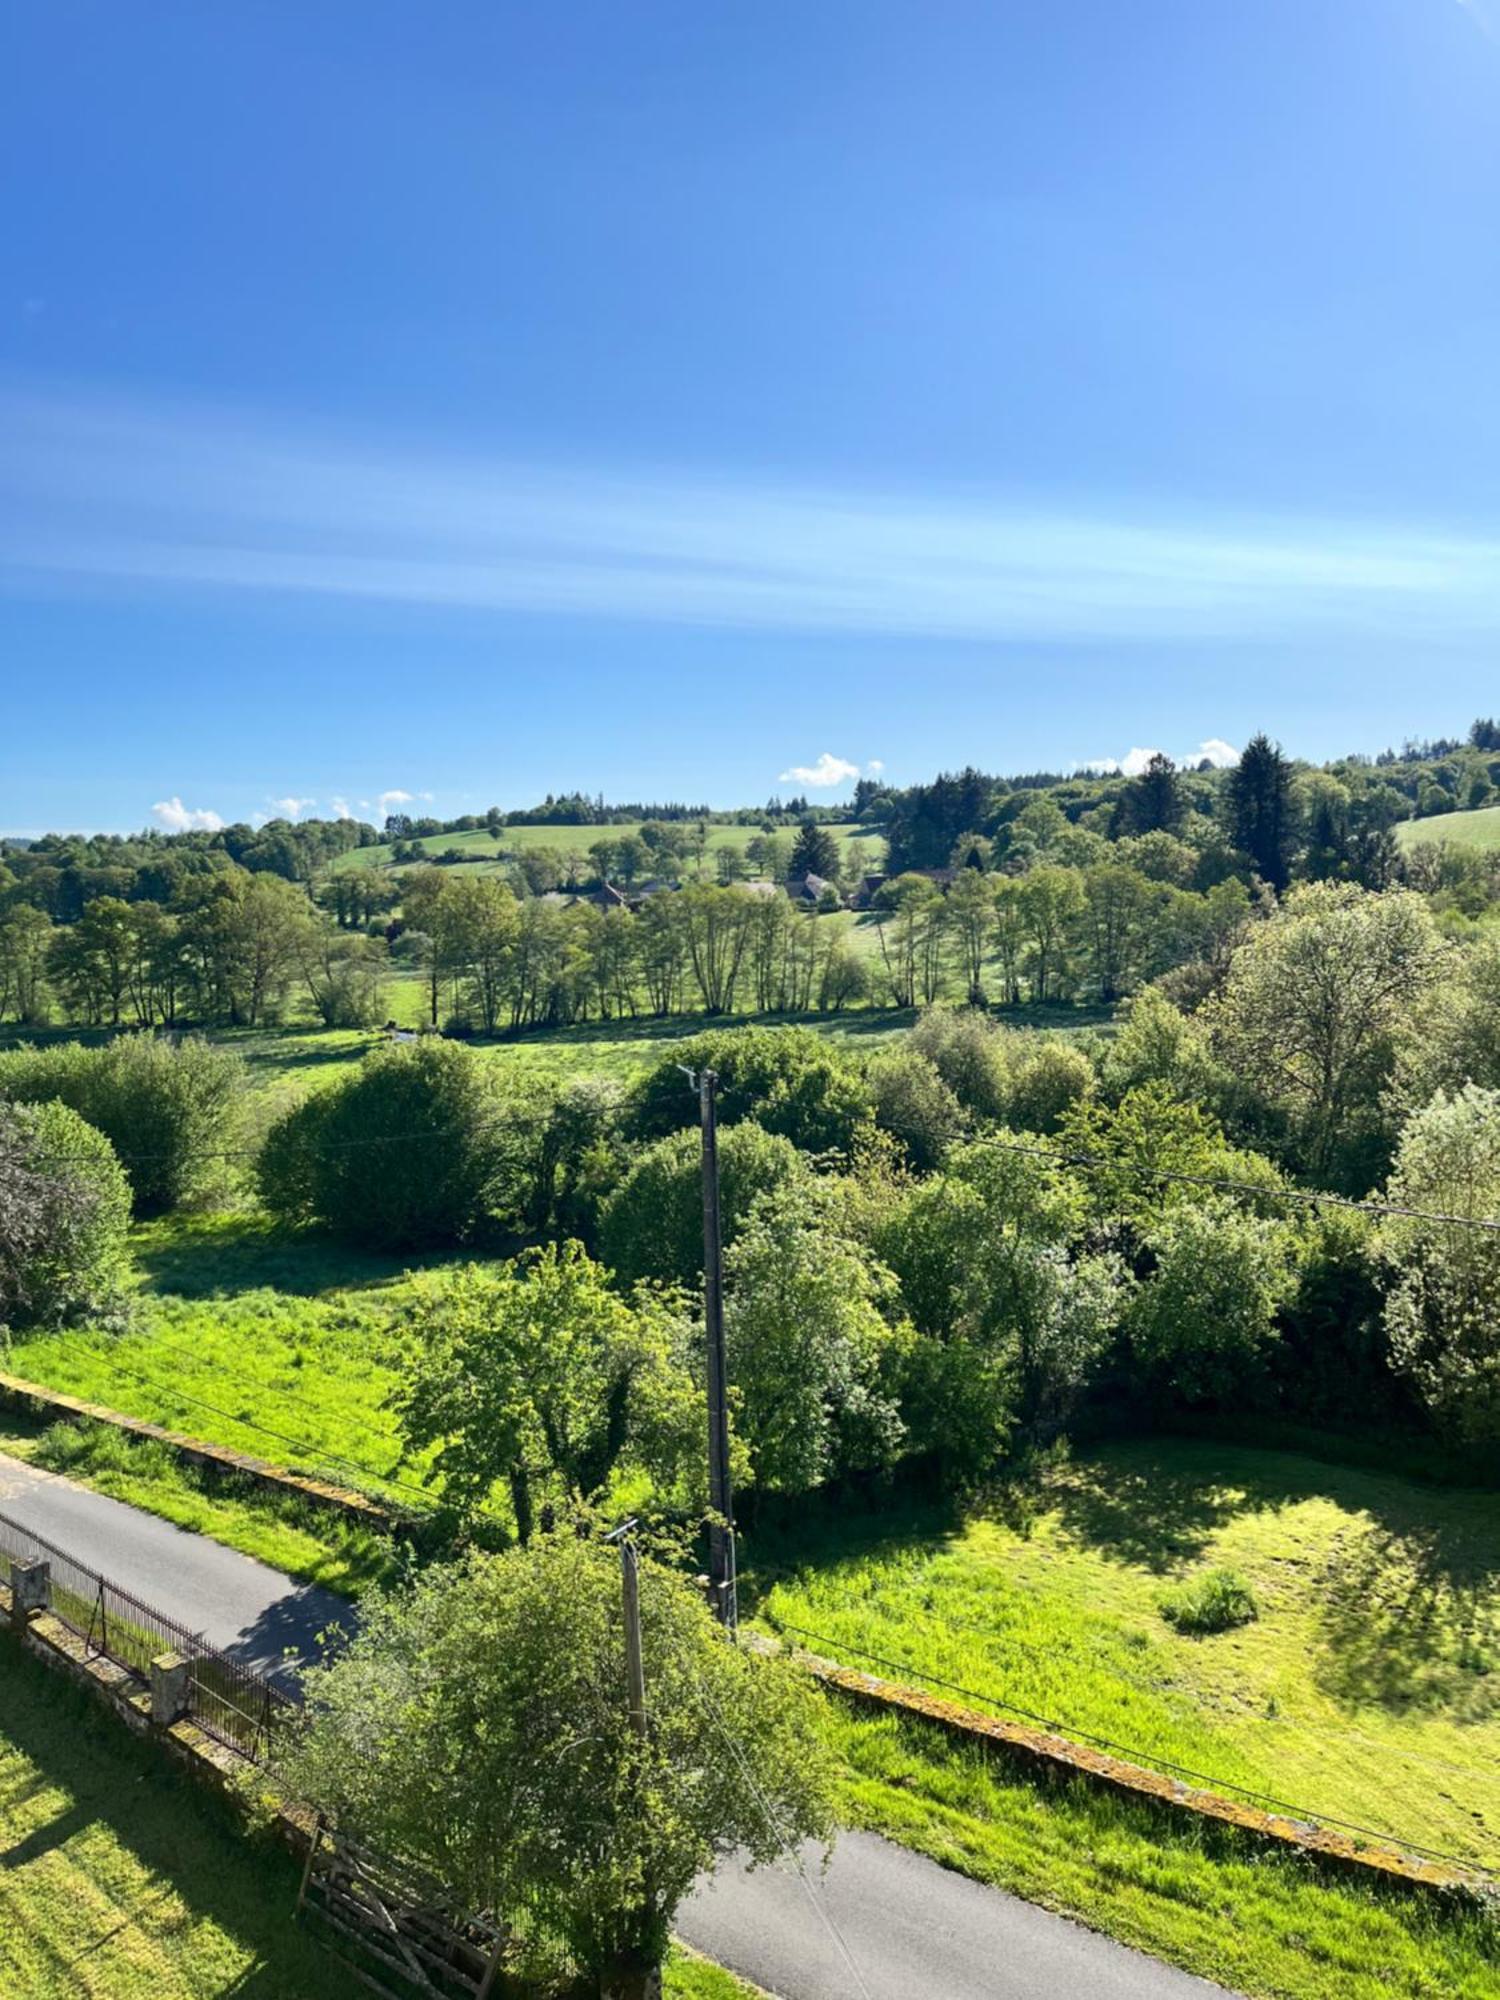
(230, 1701)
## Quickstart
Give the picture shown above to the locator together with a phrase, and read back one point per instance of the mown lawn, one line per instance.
(1367, 1690)
(121, 1880)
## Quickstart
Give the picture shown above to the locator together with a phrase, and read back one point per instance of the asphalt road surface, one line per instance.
(911, 1931)
(257, 1614)
(881, 1924)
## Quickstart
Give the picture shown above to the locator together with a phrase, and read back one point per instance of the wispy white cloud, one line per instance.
(290, 807)
(874, 768)
(143, 496)
(1214, 748)
(339, 807)
(396, 800)
(177, 818)
(825, 773)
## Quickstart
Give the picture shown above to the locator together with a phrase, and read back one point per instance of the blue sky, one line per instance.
(473, 400)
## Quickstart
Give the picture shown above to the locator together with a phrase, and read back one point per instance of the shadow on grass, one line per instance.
(1411, 1620)
(784, 1539)
(215, 1256)
(1147, 1508)
(1408, 1607)
(183, 1837)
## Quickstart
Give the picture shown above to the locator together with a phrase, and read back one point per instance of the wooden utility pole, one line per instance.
(721, 1554)
(635, 1670)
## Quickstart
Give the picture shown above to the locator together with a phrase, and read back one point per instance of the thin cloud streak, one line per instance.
(174, 499)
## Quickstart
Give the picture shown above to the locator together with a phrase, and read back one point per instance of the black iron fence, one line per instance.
(230, 1701)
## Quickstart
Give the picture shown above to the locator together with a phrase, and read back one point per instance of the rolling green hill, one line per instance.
(486, 850)
(1462, 829)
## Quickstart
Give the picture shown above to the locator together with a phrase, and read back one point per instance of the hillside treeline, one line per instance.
(940, 1252)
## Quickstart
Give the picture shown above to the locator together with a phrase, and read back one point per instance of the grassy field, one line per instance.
(1368, 1690)
(122, 1881)
(1463, 829)
(483, 849)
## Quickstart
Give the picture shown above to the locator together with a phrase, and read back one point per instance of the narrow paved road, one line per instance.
(258, 1614)
(913, 1930)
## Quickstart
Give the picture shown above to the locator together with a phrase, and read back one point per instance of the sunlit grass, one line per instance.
(124, 1881)
(1193, 1892)
(1367, 1690)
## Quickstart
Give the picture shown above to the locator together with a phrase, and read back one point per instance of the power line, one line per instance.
(1314, 1198)
(1147, 1758)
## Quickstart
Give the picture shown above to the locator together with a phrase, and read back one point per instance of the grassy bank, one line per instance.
(1367, 1689)
(1198, 1895)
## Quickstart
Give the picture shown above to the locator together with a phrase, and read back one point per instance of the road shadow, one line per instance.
(298, 1630)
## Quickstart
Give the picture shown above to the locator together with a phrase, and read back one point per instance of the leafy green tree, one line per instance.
(25, 941)
(64, 1218)
(478, 1723)
(1048, 903)
(652, 1225)
(1315, 1005)
(971, 1053)
(1151, 1132)
(789, 1080)
(1012, 1326)
(1158, 1043)
(343, 976)
(418, 1147)
(1442, 1309)
(914, 1105)
(1120, 926)
(538, 1375)
(1048, 1079)
(909, 928)
(170, 1109)
(970, 918)
(1204, 1322)
(1262, 812)
(806, 1338)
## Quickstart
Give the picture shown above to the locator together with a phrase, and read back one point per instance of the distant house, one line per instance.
(608, 897)
(810, 889)
(865, 891)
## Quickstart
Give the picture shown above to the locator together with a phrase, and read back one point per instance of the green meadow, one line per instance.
(490, 850)
(1480, 828)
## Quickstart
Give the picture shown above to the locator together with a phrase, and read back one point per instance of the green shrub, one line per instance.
(1216, 1601)
(914, 1105)
(652, 1225)
(420, 1146)
(787, 1079)
(64, 1217)
(169, 1108)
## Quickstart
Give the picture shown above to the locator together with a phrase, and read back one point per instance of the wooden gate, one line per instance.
(398, 1930)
